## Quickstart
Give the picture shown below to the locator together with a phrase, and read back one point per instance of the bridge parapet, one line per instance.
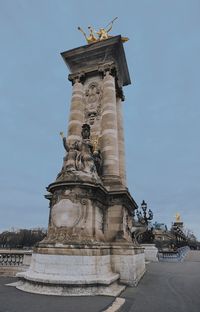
(13, 261)
(173, 256)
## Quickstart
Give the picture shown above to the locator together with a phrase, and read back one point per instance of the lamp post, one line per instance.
(144, 209)
(147, 216)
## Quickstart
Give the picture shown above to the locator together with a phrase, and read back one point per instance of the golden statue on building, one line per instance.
(102, 33)
(178, 217)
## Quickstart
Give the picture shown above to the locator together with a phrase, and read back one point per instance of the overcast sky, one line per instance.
(161, 111)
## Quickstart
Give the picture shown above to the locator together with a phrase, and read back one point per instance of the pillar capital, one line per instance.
(77, 77)
(109, 68)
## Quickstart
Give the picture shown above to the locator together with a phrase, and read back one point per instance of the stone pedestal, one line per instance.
(89, 249)
(129, 262)
(71, 270)
(151, 252)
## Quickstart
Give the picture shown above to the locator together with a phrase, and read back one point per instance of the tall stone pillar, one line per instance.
(89, 247)
(109, 136)
(76, 117)
(121, 147)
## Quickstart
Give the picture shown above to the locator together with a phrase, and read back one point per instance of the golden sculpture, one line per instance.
(178, 217)
(91, 38)
(95, 143)
(102, 33)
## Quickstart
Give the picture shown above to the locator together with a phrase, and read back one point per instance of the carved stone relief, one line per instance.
(93, 96)
(65, 213)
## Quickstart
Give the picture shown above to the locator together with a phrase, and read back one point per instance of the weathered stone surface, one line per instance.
(128, 261)
(91, 58)
(114, 289)
(150, 252)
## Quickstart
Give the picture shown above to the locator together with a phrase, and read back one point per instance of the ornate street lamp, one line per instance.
(147, 216)
(144, 206)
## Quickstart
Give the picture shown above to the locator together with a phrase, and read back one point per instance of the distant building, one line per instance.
(169, 239)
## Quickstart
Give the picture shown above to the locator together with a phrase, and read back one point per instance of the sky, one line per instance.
(161, 110)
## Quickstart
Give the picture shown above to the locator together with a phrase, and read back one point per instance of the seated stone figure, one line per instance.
(85, 160)
(72, 150)
(81, 157)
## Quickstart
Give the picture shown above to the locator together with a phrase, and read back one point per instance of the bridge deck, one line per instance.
(165, 287)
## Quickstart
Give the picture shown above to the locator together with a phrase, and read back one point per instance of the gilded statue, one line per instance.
(102, 33)
(91, 38)
(178, 217)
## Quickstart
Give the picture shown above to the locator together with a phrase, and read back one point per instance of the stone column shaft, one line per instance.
(121, 145)
(109, 139)
(76, 117)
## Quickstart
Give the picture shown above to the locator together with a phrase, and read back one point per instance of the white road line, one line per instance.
(116, 305)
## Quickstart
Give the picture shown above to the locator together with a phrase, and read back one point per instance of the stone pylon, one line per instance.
(89, 249)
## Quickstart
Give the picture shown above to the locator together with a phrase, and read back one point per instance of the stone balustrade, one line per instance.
(13, 261)
(173, 256)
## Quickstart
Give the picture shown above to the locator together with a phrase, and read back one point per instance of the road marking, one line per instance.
(116, 305)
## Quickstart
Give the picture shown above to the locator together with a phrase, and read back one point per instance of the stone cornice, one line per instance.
(99, 193)
(90, 57)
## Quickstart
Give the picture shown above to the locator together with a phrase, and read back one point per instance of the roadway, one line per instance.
(165, 287)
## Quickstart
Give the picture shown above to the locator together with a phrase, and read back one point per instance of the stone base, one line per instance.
(151, 252)
(71, 270)
(113, 289)
(83, 270)
(129, 262)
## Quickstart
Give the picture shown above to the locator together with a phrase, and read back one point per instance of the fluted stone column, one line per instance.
(121, 147)
(109, 139)
(76, 117)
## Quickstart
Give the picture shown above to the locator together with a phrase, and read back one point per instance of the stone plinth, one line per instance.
(71, 270)
(151, 252)
(128, 261)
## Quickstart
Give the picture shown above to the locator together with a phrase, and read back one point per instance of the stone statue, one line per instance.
(81, 156)
(85, 132)
(85, 161)
(97, 156)
(72, 150)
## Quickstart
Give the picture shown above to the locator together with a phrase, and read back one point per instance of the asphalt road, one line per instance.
(14, 300)
(166, 287)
